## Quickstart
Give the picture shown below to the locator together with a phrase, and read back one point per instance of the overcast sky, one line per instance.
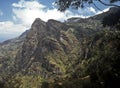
(16, 16)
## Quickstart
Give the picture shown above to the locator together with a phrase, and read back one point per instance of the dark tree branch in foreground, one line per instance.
(75, 4)
(97, 7)
(108, 4)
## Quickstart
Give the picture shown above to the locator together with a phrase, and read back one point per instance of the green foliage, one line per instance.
(69, 83)
(23, 82)
(105, 67)
(102, 67)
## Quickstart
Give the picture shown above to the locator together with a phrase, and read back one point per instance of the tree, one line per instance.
(65, 4)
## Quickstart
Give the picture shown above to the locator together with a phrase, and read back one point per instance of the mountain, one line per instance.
(52, 45)
(78, 53)
(8, 51)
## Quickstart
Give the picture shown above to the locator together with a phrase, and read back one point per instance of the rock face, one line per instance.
(52, 48)
(44, 48)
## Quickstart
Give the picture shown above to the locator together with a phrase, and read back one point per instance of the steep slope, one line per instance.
(100, 70)
(8, 51)
(46, 49)
(53, 49)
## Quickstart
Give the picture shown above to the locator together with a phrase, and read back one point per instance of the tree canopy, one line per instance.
(75, 4)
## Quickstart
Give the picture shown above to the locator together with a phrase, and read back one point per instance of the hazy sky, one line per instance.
(16, 16)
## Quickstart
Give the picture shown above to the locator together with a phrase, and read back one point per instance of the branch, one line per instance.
(96, 6)
(108, 4)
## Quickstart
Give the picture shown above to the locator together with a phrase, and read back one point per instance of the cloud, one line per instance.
(1, 13)
(88, 11)
(28, 4)
(105, 10)
(10, 30)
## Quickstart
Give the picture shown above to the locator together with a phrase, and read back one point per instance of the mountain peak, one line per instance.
(37, 22)
(56, 24)
(38, 19)
(114, 9)
(52, 20)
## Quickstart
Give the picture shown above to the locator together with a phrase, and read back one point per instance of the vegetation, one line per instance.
(101, 69)
(82, 54)
(75, 4)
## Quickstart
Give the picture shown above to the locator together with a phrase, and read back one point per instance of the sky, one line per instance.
(16, 16)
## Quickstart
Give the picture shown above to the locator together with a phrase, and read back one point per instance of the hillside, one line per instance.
(78, 53)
